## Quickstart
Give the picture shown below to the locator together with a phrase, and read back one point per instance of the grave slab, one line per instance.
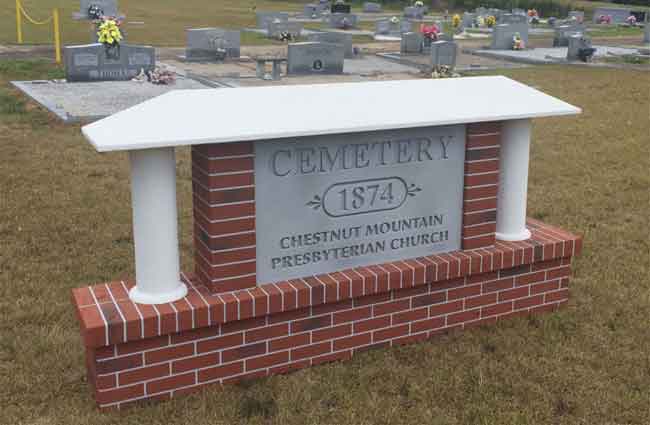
(548, 55)
(90, 101)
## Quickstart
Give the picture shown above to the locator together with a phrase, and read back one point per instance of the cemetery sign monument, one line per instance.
(317, 236)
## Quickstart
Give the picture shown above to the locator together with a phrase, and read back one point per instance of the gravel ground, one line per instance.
(74, 102)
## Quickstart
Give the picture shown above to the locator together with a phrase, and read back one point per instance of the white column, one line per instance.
(513, 181)
(155, 227)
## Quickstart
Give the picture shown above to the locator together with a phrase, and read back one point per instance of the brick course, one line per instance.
(140, 352)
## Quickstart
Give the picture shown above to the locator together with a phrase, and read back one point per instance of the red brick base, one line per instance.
(137, 352)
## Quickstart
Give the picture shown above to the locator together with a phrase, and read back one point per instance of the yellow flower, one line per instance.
(455, 21)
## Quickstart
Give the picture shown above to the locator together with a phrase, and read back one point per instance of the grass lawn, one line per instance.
(165, 21)
(65, 221)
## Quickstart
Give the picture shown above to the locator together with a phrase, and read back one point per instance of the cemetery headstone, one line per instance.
(315, 58)
(340, 7)
(411, 43)
(91, 62)
(414, 12)
(314, 10)
(342, 20)
(263, 18)
(276, 28)
(211, 44)
(468, 20)
(444, 53)
(646, 33)
(405, 26)
(579, 48)
(495, 12)
(510, 18)
(562, 33)
(502, 36)
(108, 7)
(519, 12)
(618, 15)
(371, 7)
(335, 38)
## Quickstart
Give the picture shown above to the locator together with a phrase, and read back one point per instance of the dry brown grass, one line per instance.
(65, 222)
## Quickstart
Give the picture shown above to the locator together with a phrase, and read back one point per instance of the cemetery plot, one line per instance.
(95, 62)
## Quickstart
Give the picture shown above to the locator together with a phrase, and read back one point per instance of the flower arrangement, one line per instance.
(394, 20)
(430, 31)
(418, 4)
(604, 19)
(517, 42)
(490, 21)
(631, 20)
(109, 33)
(158, 76)
(480, 21)
(455, 21)
(443, 71)
(532, 13)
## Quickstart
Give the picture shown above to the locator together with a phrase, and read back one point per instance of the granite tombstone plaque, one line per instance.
(108, 7)
(405, 26)
(210, 44)
(383, 27)
(335, 38)
(357, 199)
(92, 63)
(263, 18)
(342, 20)
(503, 34)
(414, 12)
(468, 20)
(314, 10)
(443, 53)
(371, 7)
(412, 43)
(511, 18)
(562, 33)
(340, 7)
(315, 58)
(275, 28)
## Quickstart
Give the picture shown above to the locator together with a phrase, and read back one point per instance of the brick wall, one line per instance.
(178, 363)
(139, 352)
(481, 185)
(223, 185)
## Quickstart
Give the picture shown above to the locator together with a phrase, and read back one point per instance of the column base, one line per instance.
(140, 297)
(513, 237)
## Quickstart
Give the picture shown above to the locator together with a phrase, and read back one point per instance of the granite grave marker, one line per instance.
(315, 58)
